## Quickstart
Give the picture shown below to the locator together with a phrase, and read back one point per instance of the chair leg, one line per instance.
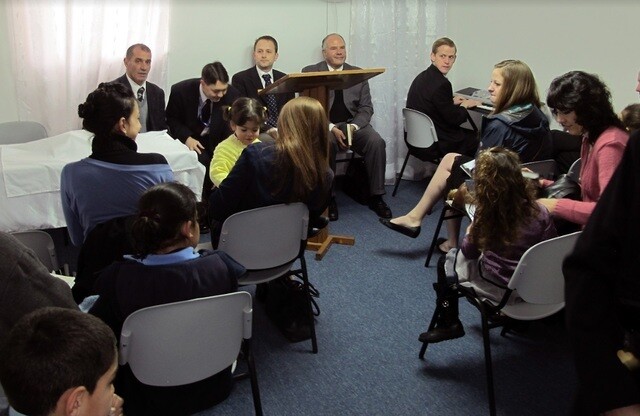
(432, 325)
(305, 280)
(399, 177)
(435, 235)
(487, 358)
(257, 403)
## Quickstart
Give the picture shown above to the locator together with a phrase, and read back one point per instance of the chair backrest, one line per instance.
(184, 342)
(42, 244)
(266, 237)
(420, 129)
(538, 277)
(13, 132)
(547, 169)
(574, 170)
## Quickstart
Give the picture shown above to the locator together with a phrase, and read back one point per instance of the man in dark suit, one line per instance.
(137, 63)
(431, 93)
(254, 79)
(352, 107)
(194, 114)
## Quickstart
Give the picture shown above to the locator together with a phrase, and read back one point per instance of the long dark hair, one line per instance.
(162, 210)
(589, 97)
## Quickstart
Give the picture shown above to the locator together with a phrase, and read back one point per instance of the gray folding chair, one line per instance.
(42, 244)
(267, 241)
(420, 135)
(184, 342)
(13, 132)
(574, 170)
(537, 279)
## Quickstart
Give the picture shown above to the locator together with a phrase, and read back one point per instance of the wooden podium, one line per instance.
(317, 85)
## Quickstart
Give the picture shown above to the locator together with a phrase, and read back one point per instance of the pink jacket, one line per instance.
(598, 164)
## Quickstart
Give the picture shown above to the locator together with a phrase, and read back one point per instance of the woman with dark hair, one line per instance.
(295, 168)
(110, 181)
(516, 123)
(101, 191)
(165, 268)
(507, 221)
(581, 103)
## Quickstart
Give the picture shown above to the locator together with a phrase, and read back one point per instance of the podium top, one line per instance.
(331, 80)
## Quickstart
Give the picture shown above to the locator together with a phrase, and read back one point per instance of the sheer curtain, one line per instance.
(61, 49)
(396, 35)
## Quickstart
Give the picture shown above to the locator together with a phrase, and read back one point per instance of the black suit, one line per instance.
(182, 118)
(156, 118)
(248, 83)
(431, 93)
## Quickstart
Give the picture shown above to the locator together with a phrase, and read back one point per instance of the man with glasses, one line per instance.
(194, 114)
(137, 63)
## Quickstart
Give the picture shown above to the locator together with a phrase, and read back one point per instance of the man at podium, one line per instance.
(353, 106)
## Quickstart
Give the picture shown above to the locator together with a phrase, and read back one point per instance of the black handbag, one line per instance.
(563, 187)
(286, 306)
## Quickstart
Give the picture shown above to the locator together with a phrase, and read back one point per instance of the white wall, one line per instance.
(206, 31)
(552, 37)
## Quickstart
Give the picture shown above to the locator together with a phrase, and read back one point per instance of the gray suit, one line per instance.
(366, 141)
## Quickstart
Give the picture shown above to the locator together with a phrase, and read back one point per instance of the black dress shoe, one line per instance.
(412, 232)
(333, 210)
(380, 207)
(443, 333)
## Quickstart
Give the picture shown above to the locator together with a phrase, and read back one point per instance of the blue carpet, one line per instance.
(375, 299)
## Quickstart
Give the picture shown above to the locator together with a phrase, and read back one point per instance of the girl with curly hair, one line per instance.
(506, 222)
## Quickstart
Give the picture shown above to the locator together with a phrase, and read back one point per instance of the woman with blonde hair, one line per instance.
(507, 221)
(295, 168)
(516, 123)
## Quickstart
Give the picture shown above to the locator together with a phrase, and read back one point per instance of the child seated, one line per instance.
(245, 116)
(165, 268)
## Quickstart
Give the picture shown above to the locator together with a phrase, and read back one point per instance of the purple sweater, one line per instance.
(502, 265)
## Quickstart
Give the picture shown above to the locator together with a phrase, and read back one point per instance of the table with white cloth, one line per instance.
(30, 180)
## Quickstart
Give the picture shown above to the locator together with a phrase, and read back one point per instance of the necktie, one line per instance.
(205, 113)
(140, 93)
(272, 107)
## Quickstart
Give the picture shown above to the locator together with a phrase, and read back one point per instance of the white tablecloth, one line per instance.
(30, 179)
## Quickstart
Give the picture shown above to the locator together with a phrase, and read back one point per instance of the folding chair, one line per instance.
(14, 132)
(267, 241)
(184, 342)
(420, 135)
(537, 279)
(42, 244)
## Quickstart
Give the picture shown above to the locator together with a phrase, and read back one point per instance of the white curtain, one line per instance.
(396, 35)
(62, 49)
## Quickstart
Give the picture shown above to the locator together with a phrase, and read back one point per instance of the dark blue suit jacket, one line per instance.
(182, 114)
